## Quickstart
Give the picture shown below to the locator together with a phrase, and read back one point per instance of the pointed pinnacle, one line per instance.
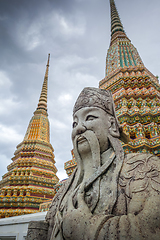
(116, 24)
(43, 97)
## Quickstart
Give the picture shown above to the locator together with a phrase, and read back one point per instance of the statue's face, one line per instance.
(94, 119)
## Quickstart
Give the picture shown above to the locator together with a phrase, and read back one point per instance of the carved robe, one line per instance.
(125, 206)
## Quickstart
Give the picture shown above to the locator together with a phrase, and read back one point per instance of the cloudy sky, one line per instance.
(77, 34)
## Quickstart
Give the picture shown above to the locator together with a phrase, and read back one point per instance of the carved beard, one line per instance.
(92, 195)
(95, 152)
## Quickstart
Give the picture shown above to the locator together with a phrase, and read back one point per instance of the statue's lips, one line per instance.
(81, 139)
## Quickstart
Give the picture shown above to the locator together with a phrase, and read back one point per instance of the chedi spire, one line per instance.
(31, 178)
(135, 91)
(117, 29)
(43, 97)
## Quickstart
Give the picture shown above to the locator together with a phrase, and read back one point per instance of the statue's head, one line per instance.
(94, 112)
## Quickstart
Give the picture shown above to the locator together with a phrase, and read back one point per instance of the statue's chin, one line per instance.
(83, 147)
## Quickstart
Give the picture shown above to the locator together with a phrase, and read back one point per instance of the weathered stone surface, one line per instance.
(109, 196)
(37, 230)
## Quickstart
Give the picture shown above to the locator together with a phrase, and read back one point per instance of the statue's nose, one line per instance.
(81, 128)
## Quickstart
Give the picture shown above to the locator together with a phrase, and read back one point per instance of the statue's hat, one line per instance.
(96, 97)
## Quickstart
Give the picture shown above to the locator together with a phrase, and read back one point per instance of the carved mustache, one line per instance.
(89, 136)
(81, 138)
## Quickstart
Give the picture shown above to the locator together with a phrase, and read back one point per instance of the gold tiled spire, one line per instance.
(43, 97)
(38, 128)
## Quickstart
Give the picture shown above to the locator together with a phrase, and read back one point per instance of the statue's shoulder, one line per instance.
(140, 171)
(139, 159)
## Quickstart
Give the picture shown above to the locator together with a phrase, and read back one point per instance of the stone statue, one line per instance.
(109, 196)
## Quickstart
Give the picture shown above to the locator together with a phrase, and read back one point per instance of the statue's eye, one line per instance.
(74, 124)
(90, 117)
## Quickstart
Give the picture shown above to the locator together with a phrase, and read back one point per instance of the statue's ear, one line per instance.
(113, 128)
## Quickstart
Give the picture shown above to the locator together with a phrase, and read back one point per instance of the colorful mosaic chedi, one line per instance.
(136, 92)
(70, 165)
(31, 178)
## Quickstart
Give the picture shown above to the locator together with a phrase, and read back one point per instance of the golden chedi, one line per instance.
(31, 177)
